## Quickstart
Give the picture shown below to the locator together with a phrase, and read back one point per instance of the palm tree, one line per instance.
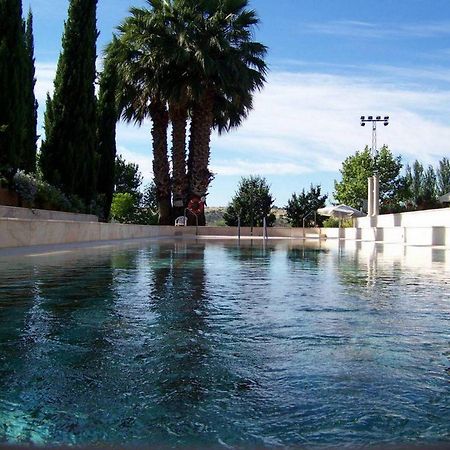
(228, 68)
(184, 59)
(140, 90)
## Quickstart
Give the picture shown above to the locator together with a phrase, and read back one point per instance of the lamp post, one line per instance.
(374, 121)
(373, 203)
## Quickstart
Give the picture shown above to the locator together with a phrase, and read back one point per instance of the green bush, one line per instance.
(26, 186)
(50, 197)
(145, 216)
(123, 208)
(3, 181)
(37, 193)
(333, 222)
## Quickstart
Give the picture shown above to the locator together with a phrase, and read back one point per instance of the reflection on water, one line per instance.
(215, 343)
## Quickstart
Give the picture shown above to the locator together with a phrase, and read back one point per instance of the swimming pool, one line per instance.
(211, 343)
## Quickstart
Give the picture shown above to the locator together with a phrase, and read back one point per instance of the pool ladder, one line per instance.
(265, 233)
(196, 219)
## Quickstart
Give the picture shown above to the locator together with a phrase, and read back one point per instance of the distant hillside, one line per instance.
(214, 216)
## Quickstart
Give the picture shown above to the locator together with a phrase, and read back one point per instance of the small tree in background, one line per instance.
(421, 189)
(252, 202)
(147, 209)
(123, 207)
(303, 204)
(356, 169)
(443, 176)
(128, 178)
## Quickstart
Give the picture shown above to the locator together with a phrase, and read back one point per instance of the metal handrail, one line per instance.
(196, 219)
(265, 234)
(305, 217)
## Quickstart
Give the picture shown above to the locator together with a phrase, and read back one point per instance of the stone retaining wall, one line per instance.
(12, 212)
(24, 232)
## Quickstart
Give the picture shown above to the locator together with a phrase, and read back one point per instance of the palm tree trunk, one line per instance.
(180, 185)
(160, 119)
(199, 147)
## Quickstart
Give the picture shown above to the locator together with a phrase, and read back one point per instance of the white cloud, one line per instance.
(372, 30)
(311, 120)
(45, 74)
(241, 167)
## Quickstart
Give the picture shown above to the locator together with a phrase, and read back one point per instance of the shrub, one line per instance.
(123, 208)
(145, 216)
(3, 181)
(50, 197)
(333, 222)
(37, 193)
(26, 186)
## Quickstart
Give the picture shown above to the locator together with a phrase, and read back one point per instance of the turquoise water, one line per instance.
(215, 344)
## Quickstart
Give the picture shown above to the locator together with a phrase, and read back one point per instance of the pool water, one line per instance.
(209, 343)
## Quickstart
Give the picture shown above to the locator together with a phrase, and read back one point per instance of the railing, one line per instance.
(265, 231)
(196, 219)
(265, 235)
(306, 216)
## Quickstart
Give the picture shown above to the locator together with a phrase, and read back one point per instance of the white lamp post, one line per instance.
(373, 183)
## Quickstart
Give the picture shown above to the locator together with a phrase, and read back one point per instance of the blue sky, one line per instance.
(330, 61)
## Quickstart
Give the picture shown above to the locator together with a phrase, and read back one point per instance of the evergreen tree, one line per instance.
(107, 119)
(417, 182)
(443, 176)
(422, 186)
(356, 169)
(68, 154)
(304, 204)
(429, 188)
(127, 178)
(28, 159)
(252, 202)
(12, 99)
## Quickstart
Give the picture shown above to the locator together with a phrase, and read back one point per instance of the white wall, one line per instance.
(415, 219)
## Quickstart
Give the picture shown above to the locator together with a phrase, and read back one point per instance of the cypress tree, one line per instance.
(107, 119)
(12, 99)
(68, 154)
(28, 159)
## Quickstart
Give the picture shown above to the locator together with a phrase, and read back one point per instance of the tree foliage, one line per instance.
(252, 202)
(443, 176)
(68, 154)
(28, 159)
(187, 58)
(357, 168)
(107, 112)
(128, 178)
(149, 198)
(305, 204)
(127, 208)
(18, 106)
(123, 207)
(421, 185)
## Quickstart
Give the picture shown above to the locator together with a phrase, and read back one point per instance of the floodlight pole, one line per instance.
(373, 183)
(374, 121)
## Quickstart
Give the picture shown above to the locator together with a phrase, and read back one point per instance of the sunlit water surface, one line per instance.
(216, 344)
